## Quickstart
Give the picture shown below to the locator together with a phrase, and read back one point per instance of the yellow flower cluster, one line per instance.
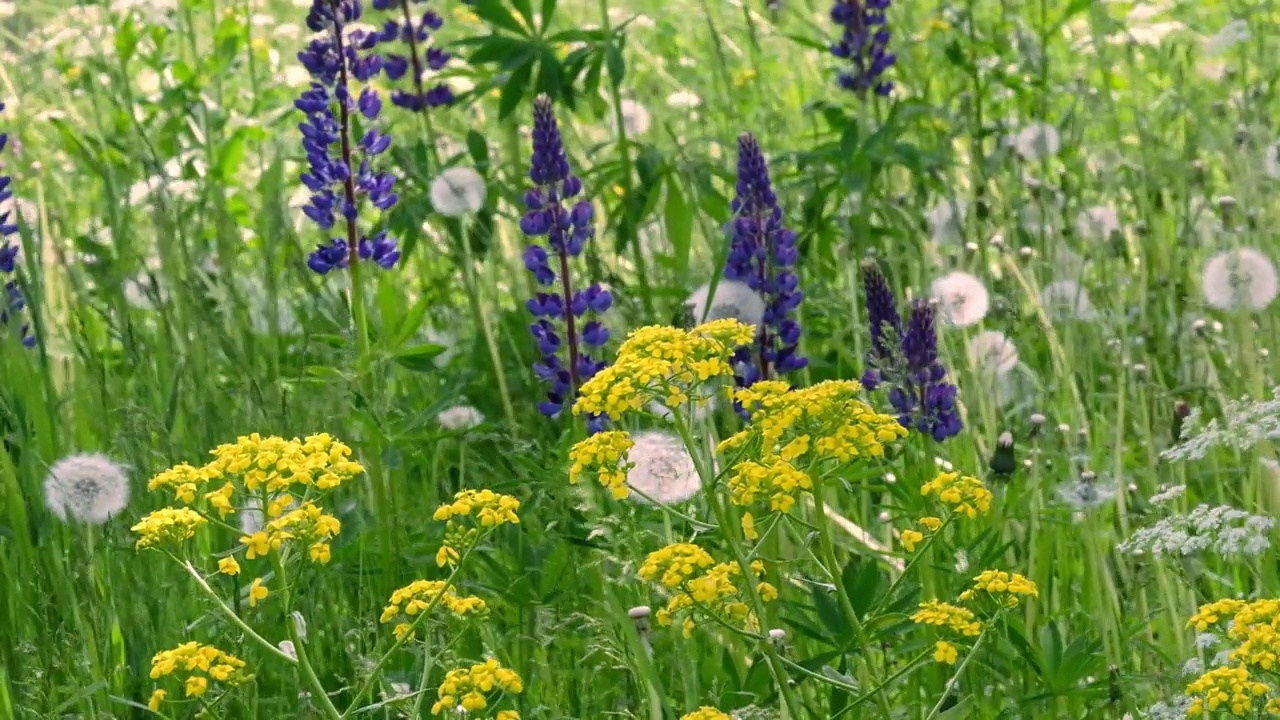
(167, 525)
(489, 510)
(183, 479)
(605, 454)
(200, 664)
(910, 538)
(663, 364)
(999, 582)
(966, 495)
(825, 421)
(701, 585)
(946, 652)
(706, 713)
(472, 687)
(946, 615)
(308, 524)
(1214, 612)
(776, 477)
(275, 463)
(1230, 686)
(418, 596)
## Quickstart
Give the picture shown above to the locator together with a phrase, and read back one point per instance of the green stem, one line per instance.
(973, 651)
(790, 706)
(837, 579)
(426, 675)
(231, 614)
(482, 318)
(304, 662)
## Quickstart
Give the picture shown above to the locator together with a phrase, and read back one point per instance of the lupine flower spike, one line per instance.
(906, 360)
(339, 182)
(567, 231)
(13, 301)
(415, 34)
(763, 254)
(864, 43)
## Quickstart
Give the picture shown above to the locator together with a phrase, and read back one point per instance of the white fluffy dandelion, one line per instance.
(1083, 495)
(1240, 278)
(946, 221)
(460, 417)
(1097, 222)
(684, 100)
(458, 191)
(1271, 161)
(992, 352)
(1067, 300)
(635, 118)
(663, 469)
(733, 299)
(963, 298)
(1037, 141)
(89, 487)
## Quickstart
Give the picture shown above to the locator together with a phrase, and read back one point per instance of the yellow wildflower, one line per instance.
(701, 586)
(1225, 685)
(999, 582)
(931, 523)
(157, 697)
(184, 480)
(910, 538)
(1211, 613)
(319, 552)
(198, 664)
(473, 687)
(776, 477)
(945, 652)
(229, 566)
(489, 508)
(749, 527)
(605, 454)
(167, 525)
(446, 556)
(197, 686)
(966, 495)
(220, 499)
(257, 592)
(706, 713)
(421, 595)
(674, 564)
(945, 615)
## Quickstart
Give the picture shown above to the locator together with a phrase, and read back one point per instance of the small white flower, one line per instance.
(445, 339)
(458, 191)
(1067, 300)
(1240, 278)
(286, 647)
(733, 299)
(89, 487)
(1167, 494)
(635, 118)
(460, 417)
(296, 75)
(946, 221)
(1231, 34)
(962, 562)
(1038, 141)
(992, 352)
(1083, 495)
(684, 100)
(1204, 641)
(963, 297)
(1097, 223)
(663, 469)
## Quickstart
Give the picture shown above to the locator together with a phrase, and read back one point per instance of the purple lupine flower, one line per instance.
(12, 302)
(883, 317)
(415, 33)
(762, 254)
(567, 230)
(339, 172)
(923, 398)
(864, 43)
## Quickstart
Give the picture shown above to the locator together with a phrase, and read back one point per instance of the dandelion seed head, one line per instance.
(946, 221)
(1097, 222)
(1240, 278)
(663, 469)
(87, 487)
(963, 298)
(992, 352)
(460, 417)
(732, 300)
(1038, 141)
(458, 191)
(1083, 495)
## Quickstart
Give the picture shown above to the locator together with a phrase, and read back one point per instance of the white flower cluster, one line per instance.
(1168, 494)
(1244, 423)
(1221, 530)
(1173, 709)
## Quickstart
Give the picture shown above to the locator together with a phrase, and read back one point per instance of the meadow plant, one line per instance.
(415, 33)
(13, 301)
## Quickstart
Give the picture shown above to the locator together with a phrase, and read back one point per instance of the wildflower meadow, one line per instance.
(650, 359)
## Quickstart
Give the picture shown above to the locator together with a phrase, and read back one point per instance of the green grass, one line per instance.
(243, 338)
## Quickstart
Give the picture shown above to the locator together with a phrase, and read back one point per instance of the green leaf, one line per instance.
(478, 148)
(549, 73)
(419, 358)
(678, 218)
(513, 90)
(525, 8)
(957, 711)
(496, 14)
(829, 614)
(864, 580)
(617, 64)
(126, 39)
(548, 13)
(506, 52)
